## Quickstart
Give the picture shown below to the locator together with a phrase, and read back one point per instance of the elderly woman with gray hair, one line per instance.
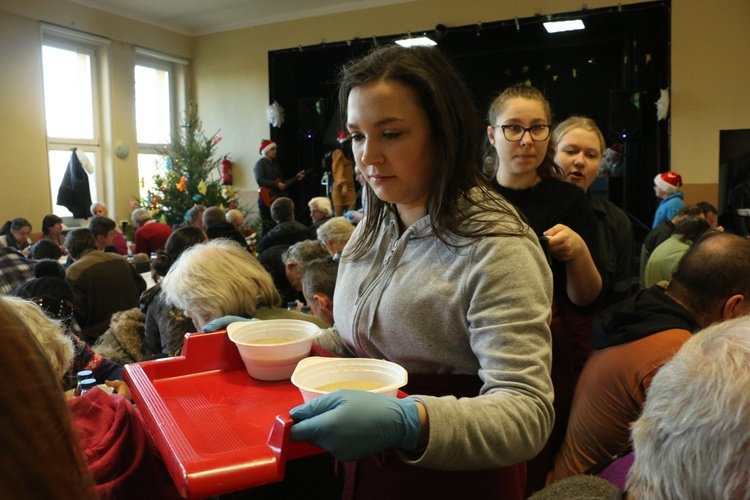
(334, 234)
(121, 455)
(218, 279)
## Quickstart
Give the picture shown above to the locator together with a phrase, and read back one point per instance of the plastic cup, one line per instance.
(270, 349)
(315, 376)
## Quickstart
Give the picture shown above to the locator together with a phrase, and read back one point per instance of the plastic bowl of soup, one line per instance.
(315, 376)
(271, 349)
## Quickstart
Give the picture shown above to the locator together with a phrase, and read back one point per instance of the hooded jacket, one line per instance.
(647, 312)
(632, 340)
(482, 309)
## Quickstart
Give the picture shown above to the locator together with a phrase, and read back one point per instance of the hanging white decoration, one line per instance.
(275, 114)
(662, 105)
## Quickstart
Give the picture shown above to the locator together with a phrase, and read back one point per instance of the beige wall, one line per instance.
(710, 76)
(231, 69)
(710, 69)
(23, 163)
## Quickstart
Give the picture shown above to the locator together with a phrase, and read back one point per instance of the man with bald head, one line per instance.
(634, 338)
(214, 220)
(235, 218)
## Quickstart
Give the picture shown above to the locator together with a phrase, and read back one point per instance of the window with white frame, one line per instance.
(158, 92)
(71, 64)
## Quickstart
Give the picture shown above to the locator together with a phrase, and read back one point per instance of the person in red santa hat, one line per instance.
(668, 187)
(269, 175)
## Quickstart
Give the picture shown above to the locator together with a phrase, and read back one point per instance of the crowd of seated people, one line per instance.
(598, 341)
(306, 273)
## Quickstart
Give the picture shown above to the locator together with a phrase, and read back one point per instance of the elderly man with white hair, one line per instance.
(320, 212)
(693, 438)
(236, 219)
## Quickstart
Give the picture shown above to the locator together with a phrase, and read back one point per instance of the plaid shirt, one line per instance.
(15, 269)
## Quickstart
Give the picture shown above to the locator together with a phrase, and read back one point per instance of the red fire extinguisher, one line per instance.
(225, 167)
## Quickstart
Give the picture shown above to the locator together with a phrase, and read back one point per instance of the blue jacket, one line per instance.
(668, 208)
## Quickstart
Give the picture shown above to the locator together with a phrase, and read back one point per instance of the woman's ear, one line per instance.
(491, 134)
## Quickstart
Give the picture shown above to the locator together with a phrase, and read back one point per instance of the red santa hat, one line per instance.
(342, 136)
(266, 145)
(669, 182)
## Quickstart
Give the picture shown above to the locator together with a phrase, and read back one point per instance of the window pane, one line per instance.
(68, 99)
(152, 105)
(58, 164)
(148, 165)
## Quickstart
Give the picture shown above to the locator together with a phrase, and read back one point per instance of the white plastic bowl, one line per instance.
(315, 376)
(287, 342)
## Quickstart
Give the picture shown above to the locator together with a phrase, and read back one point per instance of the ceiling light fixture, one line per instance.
(558, 26)
(414, 42)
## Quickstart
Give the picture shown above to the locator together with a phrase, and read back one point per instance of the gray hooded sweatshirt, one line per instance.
(482, 309)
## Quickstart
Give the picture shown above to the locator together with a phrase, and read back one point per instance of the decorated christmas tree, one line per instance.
(191, 175)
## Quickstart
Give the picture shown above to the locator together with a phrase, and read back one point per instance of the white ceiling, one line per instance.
(200, 17)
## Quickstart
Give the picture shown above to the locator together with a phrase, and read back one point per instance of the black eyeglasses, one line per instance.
(515, 133)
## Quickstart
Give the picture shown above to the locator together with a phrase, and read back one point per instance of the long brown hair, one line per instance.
(41, 455)
(456, 134)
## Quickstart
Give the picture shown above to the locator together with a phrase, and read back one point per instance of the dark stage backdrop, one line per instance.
(612, 71)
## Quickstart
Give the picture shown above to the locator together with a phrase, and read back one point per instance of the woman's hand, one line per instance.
(584, 283)
(564, 243)
(355, 424)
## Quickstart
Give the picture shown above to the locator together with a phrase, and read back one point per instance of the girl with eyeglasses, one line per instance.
(520, 121)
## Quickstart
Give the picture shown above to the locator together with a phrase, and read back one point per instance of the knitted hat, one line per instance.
(265, 145)
(53, 294)
(669, 182)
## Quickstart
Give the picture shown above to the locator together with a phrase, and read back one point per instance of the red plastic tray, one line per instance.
(218, 429)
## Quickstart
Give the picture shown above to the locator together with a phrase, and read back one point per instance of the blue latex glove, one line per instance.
(223, 322)
(349, 214)
(355, 424)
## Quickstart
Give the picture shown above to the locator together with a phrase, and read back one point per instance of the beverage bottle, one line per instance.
(292, 306)
(81, 376)
(87, 385)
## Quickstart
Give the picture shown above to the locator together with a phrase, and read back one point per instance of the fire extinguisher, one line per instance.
(225, 167)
